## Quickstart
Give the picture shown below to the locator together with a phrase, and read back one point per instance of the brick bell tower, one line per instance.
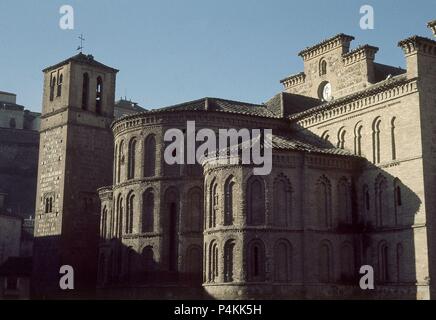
(75, 158)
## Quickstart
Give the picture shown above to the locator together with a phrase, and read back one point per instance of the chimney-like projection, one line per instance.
(432, 26)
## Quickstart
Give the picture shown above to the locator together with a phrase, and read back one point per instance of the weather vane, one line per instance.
(82, 39)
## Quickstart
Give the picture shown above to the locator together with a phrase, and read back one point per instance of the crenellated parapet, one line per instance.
(338, 41)
(294, 80)
(364, 52)
(417, 44)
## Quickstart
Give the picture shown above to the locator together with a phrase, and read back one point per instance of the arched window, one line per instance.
(47, 205)
(256, 261)
(52, 87)
(366, 201)
(400, 262)
(376, 140)
(194, 221)
(324, 202)
(347, 262)
(119, 218)
(381, 201)
(120, 161)
(104, 223)
(325, 262)
(193, 264)
(12, 123)
(322, 67)
(228, 201)
(99, 95)
(102, 268)
(129, 214)
(130, 266)
(147, 255)
(131, 159)
(213, 204)
(171, 205)
(394, 151)
(115, 168)
(358, 139)
(149, 156)
(398, 201)
(59, 85)
(282, 202)
(255, 201)
(112, 224)
(119, 260)
(149, 265)
(341, 138)
(228, 261)
(148, 211)
(383, 262)
(85, 91)
(326, 135)
(344, 201)
(282, 261)
(213, 261)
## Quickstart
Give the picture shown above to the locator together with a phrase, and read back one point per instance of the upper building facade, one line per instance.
(19, 142)
(352, 184)
(15, 116)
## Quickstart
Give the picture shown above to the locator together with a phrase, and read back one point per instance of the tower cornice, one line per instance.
(417, 44)
(339, 40)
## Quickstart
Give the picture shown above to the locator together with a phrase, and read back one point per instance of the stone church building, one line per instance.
(352, 183)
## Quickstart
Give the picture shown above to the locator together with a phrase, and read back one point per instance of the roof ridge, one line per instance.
(80, 58)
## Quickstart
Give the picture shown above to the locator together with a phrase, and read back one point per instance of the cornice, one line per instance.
(388, 90)
(294, 79)
(417, 44)
(325, 45)
(360, 53)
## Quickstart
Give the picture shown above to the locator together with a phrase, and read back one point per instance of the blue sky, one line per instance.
(174, 51)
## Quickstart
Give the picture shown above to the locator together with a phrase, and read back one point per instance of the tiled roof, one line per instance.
(214, 104)
(382, 71)
(128, 105)
(7, 93)
(82, 59)
(297, 141)
(284, 104)
(10, 106)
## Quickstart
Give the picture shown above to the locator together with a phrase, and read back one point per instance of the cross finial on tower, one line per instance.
(82, 39)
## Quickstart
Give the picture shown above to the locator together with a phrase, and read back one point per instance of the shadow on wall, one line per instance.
(383, 227)
(127, 274)
(383, 216)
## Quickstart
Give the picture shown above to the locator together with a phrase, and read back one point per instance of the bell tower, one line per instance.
(75, 159)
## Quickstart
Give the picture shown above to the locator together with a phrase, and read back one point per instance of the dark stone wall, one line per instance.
(18, 169)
